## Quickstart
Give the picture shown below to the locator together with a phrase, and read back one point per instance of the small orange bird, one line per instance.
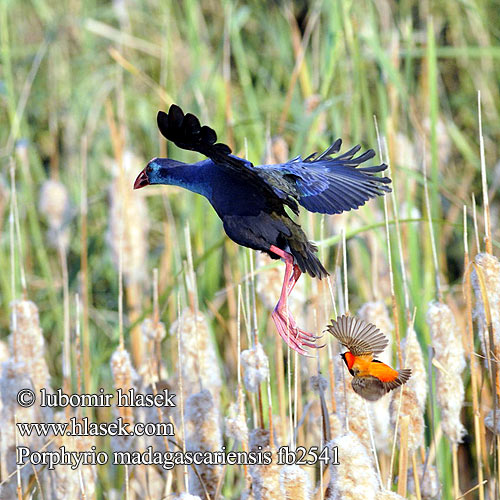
(371, 378)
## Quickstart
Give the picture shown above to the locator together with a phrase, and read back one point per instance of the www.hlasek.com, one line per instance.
(120, 427)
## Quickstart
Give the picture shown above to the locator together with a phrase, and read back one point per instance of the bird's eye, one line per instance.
(149, 169)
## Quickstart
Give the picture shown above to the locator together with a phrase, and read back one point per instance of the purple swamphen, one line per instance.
(251, 200)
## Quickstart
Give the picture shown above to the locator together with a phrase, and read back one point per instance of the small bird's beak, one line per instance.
(142, 180)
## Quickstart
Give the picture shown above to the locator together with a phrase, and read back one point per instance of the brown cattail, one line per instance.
(295, 483)
(449, 352)
(124, 377)
(54, 205)
(255, 367)
(265, 477)
(414, 359)
(4, 351)
(388, 495)
(492, 421)
(203, 434)
(67, 482)
(277, 151)
(409, 407)
(354, 477)
(198, 361)
(351, 406)
(236, 422)
(490, 267)
(15, 376)
(128, 222)
(28, 343)
(377, 314)
(430, 487)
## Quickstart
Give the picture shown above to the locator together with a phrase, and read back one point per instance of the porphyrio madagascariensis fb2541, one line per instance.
(251, 200)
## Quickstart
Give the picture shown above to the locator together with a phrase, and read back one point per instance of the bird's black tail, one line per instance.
(308, 261)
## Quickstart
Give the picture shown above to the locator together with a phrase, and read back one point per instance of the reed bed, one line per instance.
(105, 287)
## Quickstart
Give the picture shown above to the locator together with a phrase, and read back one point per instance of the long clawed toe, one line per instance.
(294, 337)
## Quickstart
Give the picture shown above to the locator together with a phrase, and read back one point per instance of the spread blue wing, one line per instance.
(328, 184)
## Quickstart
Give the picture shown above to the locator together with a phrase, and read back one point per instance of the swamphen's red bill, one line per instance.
(142, 180)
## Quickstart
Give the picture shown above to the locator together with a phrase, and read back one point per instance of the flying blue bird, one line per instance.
(251, 199)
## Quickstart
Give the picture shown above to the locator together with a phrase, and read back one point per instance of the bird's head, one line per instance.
(348, 360)
(157, 171)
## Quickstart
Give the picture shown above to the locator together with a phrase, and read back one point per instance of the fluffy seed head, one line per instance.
(54, 205)
(449, 352)
(236, 422)
(492, 421)
(414, 359)
(128, 222)
(28, 343)
(265, 478)
(198, 355)
(376, 313)
(490, 267)
(203, 434)
(388, 495)
(295, 483)
(153, 332)
(430, 487)
(123, 375)
(409, 407)
(354, 477)
(255, 367)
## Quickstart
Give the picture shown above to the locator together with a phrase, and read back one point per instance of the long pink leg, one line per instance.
(287, 328)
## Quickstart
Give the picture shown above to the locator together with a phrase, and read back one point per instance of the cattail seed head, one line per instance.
(123, 376)
(492, 421)
(490, 267)
(203, 434)
(28, 343)
(410, 406)
(255, 367)
(236, 422)
(414, 359)
(265, 478)
(430, 487)
(354, 477)
(128, 222)
(55, 206)
(277, 151)
(377, 314)
(449, 352)
(198, 361)
(151, 331)
(351, 406)
(388, 495)
(295, 483)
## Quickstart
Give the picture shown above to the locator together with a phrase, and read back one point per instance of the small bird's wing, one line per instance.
(327, 184)
(186, 132)
(402, 377)
(358, 336)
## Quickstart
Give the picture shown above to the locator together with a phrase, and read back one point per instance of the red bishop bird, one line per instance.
(251, 199)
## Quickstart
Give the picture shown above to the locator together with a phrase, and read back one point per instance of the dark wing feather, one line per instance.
(330, 185)
(186, 132)
(358, 336)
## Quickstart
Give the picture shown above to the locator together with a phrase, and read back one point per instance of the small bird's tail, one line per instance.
(403, 377)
